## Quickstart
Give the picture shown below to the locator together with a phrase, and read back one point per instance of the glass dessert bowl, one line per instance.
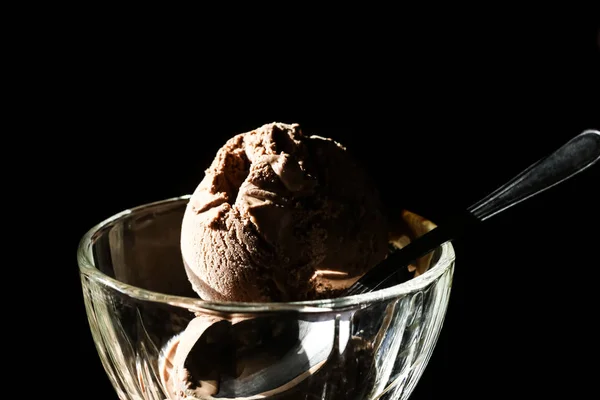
(157, 340)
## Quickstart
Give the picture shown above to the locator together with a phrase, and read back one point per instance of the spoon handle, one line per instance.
(571, 158)
(577, 154)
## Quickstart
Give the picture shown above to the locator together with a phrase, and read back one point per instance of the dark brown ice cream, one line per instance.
(281, 216)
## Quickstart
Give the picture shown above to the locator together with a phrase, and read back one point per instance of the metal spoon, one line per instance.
(312, 343)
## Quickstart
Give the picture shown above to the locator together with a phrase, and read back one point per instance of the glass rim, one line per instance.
(87, 267)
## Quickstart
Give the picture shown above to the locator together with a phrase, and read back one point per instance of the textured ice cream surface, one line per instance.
(281, 216)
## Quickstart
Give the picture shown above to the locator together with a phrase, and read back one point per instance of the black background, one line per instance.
(440, 115)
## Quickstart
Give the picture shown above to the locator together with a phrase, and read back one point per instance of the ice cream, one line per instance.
(278, 216)
(281, 216)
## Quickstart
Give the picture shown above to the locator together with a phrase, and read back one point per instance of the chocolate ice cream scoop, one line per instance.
(281, 216)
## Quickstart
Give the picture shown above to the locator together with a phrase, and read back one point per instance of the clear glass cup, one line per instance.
(150, 329)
